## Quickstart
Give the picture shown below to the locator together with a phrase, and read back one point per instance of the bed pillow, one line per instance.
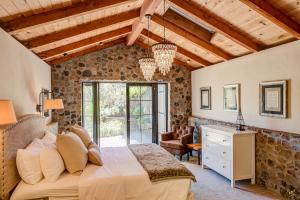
(94, 154)
(28, 162)
(73, 152)
(52, 164)
(82, 133)
(49, 139)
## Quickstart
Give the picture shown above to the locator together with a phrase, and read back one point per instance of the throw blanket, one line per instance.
(159, 164)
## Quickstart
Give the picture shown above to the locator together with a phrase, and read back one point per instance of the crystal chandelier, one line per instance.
(147, 64)
(164, 52)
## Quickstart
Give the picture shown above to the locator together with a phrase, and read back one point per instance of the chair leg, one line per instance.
(198, 157)
(191, 153)
(180, 157)
(188, 156)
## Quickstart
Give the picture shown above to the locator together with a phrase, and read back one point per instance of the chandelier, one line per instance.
(147, 64)
(164, 52)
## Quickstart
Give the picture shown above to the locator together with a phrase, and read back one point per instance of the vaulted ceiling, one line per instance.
(205, 31)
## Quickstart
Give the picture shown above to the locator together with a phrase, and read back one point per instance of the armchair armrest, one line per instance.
(186, 139)
(166, 136)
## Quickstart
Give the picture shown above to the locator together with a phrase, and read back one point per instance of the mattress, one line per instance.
(66, 187)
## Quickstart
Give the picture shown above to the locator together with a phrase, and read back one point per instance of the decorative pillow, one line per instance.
(82, 133)
(73, 152)
(94, 154)
(49, 139)
(28, 162)
(52, 164)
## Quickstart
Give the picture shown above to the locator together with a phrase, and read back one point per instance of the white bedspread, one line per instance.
(120, 178)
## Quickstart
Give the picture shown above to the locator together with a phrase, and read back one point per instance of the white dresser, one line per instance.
(229, 152)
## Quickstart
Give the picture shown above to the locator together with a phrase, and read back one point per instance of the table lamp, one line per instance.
(7, 113)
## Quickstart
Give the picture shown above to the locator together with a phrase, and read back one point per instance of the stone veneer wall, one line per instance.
(117, 63)
(277, 157)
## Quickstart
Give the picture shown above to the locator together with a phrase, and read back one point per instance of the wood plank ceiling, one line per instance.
(205, 31)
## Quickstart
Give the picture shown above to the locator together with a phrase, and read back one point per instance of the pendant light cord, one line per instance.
(164, 21)
(148, 17)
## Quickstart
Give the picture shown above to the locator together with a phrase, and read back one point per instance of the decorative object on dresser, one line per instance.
(7, 113)
(232, 97)
(240, 123)
(175, 141)
(205, 97)
(46, 103)
(229, 152)
(273, 98)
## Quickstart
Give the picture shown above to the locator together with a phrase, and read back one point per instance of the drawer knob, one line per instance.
(224, 140)
(207, 145)
(206, 158)
(224, 152)
(224, 166)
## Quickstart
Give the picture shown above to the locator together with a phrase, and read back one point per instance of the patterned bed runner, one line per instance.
(159, 164)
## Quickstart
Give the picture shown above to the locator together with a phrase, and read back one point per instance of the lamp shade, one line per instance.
(53, 104)
(7, 113)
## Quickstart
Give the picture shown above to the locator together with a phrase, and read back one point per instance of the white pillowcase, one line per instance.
(52, 164)
(28, 162)
(49, 139)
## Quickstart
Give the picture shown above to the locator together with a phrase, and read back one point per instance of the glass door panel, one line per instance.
(162, 105)
(112, 109)
(140, 100)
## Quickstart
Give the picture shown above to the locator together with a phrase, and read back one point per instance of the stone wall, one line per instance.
(117, 63)
(277, 157)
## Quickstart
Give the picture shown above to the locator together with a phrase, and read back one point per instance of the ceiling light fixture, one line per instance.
(164, 52)
(147, 64)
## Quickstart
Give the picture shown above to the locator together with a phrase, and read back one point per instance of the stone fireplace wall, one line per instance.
(117, 63)
(277, 157)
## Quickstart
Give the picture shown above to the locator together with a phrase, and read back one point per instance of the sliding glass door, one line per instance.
(117, 114)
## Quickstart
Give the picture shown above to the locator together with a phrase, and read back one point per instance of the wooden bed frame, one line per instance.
(12, 138)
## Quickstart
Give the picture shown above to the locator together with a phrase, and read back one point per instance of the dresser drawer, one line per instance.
(218, 164)
(217, 138)
(218, 149)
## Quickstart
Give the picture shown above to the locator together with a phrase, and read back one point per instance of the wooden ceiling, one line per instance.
(205, 31)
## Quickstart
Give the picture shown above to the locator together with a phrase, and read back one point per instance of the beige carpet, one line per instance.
(212, 186)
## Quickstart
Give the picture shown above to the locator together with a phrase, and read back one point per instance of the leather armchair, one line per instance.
(175, 141)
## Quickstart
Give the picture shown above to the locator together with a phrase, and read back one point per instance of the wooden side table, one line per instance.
(195, 147)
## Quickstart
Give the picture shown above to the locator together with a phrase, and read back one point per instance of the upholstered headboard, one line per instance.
(12, 138)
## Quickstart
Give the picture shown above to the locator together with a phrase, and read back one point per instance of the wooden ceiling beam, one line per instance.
(148, 8)
(188, 25)
(220, 53)
(86, 51)
(274, 15)
(176, 61)
(180, 50)
(42, 19)
(209, 19)
(81, 29)
(85, 42)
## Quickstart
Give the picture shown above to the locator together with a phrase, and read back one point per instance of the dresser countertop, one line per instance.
(228, 130)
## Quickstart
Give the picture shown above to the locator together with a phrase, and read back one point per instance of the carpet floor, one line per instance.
(212, 186)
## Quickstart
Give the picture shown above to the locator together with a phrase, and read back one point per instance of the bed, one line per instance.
(121, 176)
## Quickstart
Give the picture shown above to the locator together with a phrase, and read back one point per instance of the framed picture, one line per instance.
(273, 98)
(231, 97)
(205, 98)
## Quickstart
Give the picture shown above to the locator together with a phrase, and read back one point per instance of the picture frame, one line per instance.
(273, 98)
(205, 98)
(231, 97)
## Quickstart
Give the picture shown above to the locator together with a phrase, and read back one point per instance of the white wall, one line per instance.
(278, 63)
(22, 75)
